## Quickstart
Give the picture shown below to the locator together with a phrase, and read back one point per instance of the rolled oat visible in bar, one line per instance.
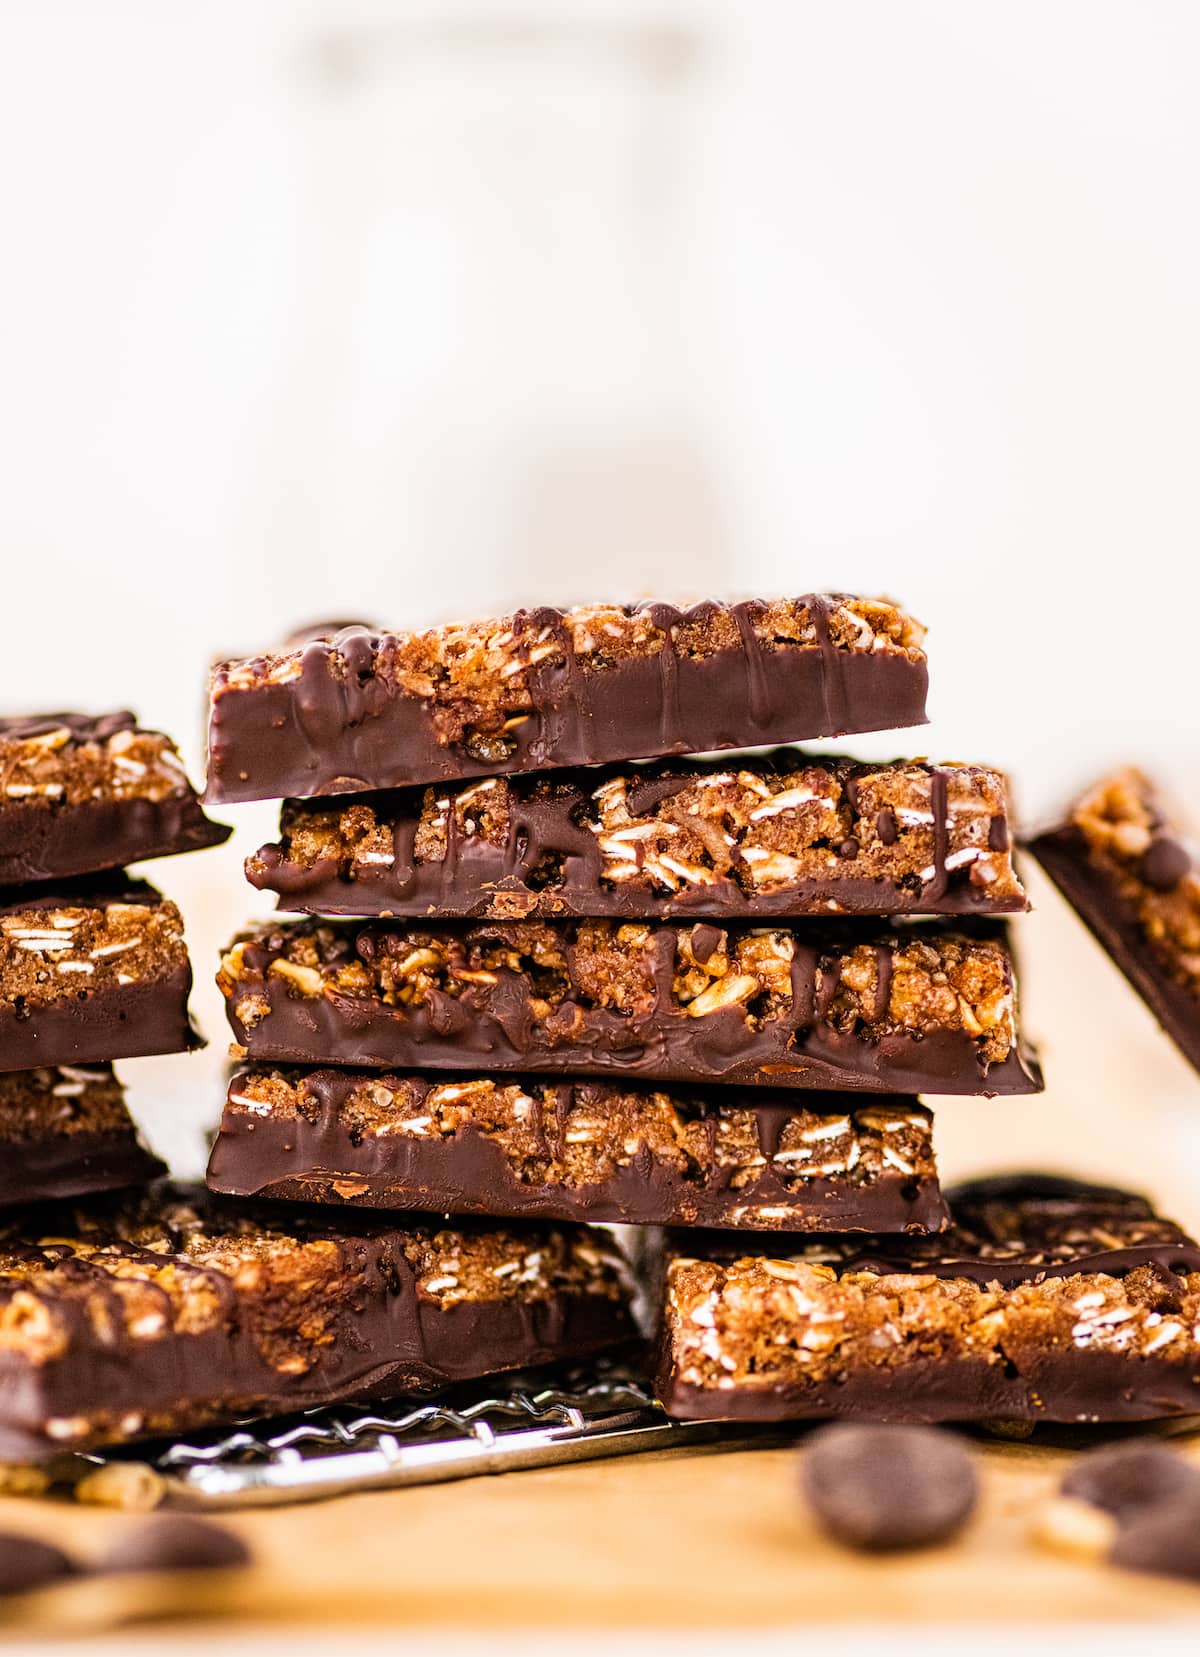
(65, 1131)
(359, 709)
(579, 1150)
(1048, 1300)
(91, 970)
(141, 1316)
(785, 833)
(858, 1007)
(82, 793)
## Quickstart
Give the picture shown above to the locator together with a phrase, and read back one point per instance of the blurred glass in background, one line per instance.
(491, 372)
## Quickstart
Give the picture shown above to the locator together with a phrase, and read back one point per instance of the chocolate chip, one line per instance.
(886, 827)
(1164, 863)
(1128, 1479)
(26, 1563)
(889, 1487)
(176, 1542)
(705, 939)
(849, 848)
(998, 834)
(1164, 1541)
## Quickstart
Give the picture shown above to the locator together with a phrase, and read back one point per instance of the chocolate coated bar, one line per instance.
(80, 793)
(132, 1317)
(871, 1008)
(64, 1132)
(1130, 876)
(544, 688)
(785, 833)
(578, 1150)
(91, 971)
(1048, 1301)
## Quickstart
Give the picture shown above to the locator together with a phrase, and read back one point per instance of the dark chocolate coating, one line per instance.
(386, 1340)
(61, 840)
(175, 1542)
(466, 1173)
(125, 1022)
(1057, 1385)
(1063, 853)
(885, 1489)
(120, 1021)
(548, 824)
(324, 734)
(72, 1165)
(490, 1027)
(1015, 1229)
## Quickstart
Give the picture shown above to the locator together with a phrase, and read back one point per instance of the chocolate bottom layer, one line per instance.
(48, 843)
(1057, 1386)
(467, 1173)
(400, 1347)
(123, 1022)
(1097, 901)
(73, 1165)
(1046, 1300)
(722, 1047)
(321, 731)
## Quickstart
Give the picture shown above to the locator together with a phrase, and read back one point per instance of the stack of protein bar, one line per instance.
(93, 965)
(541, 979)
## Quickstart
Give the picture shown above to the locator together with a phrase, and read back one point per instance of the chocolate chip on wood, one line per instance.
(92, 970)
(150, 1314)
(81, 793)
(888, 1488)
(785, 833)
(1127, 1479)
(175, 1542)
(357, 709)
(578, 1150)
(1047, 1301)
(873, 1008)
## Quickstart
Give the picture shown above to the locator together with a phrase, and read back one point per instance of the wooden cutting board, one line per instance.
(672, 1539)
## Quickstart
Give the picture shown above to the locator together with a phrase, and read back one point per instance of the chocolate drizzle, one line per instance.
(342, 723)
(543, 853)
(489, 1021)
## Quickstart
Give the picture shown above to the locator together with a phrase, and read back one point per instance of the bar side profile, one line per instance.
(1048, 1301)
(785, 833)
(578, 1150)
(864, 1007)
(544, 688)
(144, 1316)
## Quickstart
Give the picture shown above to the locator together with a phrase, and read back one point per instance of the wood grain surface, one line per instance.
(670, 1540)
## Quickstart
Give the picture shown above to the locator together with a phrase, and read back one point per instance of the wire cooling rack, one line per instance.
(503, 1425)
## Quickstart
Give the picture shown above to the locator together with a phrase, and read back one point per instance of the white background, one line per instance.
(306, 309)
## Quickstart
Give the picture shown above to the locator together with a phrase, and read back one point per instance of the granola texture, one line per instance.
(786, 830)
(215, 1309)
(359, 709)
(69, 945)
(565, 993)
(70, 759)
(1058, 1300)
(648, 1154)
(477, 672)
(1134, 879)
(1130, 837)
(80, 793)
(65, 1131)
